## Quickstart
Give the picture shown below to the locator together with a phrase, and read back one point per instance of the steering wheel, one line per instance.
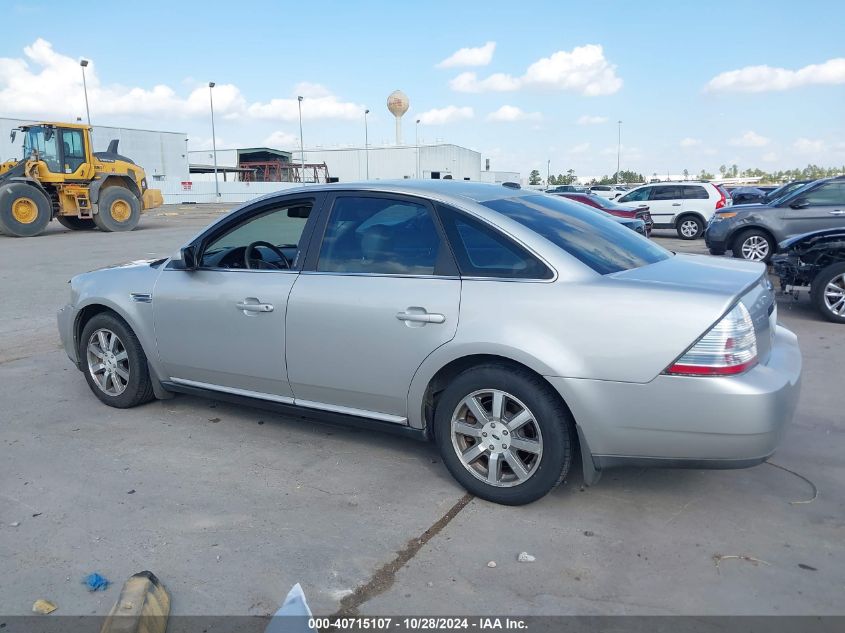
(260, 264)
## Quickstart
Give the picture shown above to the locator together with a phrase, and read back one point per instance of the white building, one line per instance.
(163, 155)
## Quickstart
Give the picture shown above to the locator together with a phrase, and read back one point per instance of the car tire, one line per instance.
(24, 210)
(689, 227)
(76, 224)
(118, 209)
(827, 292)
(545, 434)
(754, 245)
(114, 362)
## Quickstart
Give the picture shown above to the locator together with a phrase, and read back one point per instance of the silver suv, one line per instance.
(483, 317)
(684, 206)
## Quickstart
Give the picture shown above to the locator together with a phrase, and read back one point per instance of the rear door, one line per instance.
(379, 295)
(825, 209)
(697, 199)
(665, 203)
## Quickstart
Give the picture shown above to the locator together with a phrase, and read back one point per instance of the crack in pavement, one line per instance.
(385, 576)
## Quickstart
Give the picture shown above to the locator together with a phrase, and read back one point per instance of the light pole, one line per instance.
(418, 148)
(301, 142)
(366, 144)
(618, 152)
(548, 170)
(83, 63)
(213, 139)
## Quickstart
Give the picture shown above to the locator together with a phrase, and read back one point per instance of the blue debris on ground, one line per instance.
(95, 582)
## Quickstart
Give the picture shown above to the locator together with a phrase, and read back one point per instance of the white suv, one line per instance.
(684, 206)
(611, 192)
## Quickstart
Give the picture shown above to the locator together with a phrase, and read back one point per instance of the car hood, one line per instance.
(754, 206)
(808, 238)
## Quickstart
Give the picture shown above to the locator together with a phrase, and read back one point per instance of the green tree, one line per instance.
(534, 177)
(570, 176)
(705, 175)
(686, 174)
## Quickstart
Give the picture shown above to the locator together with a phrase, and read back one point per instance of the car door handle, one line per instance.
(837, 212)
(421, 317)
(676, 204)
(254, 307)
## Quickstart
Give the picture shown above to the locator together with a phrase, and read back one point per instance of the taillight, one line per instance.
(728, 348)
(722, 198)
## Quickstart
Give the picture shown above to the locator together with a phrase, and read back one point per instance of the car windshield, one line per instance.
(595, 239)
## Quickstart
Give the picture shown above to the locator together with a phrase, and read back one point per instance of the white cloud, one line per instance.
(591, 120)
(480, 56)
(770, 157)
(749, 139)
(690, 142)
(581, 148)
(449, 114)
(584, 70)
(512, 113)
(808, 146)
(281, 139)
(204, 142)
(47, 84)
(768, 78)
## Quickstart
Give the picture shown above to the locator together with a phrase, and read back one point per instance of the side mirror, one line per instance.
(12, 136)
(189, 257)
(801, 203)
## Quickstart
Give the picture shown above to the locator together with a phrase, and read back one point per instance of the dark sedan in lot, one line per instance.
(753, 231)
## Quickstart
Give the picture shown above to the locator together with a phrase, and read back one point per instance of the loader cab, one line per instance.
(63, 150)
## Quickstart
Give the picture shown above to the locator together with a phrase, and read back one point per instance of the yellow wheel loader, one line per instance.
(61, 177)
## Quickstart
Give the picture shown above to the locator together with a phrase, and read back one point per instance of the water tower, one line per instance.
(398, 105)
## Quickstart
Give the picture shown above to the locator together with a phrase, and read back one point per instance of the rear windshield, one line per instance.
(595, 239)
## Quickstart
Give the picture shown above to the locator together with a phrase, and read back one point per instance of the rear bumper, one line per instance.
(697, 422)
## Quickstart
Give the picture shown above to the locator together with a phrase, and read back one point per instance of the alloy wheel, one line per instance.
(834, 295)
(108, 362)
(755, 248)
(496, 438)
(689, 228)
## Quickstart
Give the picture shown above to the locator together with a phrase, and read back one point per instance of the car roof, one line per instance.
(443, 189)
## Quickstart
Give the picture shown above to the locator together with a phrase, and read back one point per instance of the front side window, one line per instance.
(369, 234)
(828, 194)
(483, 251)
(267, 241)
(43, 141)
(595, 239)
(637, 195)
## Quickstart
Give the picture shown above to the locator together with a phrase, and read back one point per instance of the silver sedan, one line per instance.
(513, 328)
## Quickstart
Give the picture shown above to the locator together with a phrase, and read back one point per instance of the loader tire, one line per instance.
(118, 210)
(24, 210)
(76, 224)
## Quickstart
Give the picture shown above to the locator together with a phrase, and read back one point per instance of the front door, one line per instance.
(222, 326)
(381, 294)
(665, 203)
(825, 209)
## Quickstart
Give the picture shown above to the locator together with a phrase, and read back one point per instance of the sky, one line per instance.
(696, 85)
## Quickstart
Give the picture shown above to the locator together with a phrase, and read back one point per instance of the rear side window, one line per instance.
(666, 193)
(695, 193)
(482, 251)
(595, 239)
(830, 193)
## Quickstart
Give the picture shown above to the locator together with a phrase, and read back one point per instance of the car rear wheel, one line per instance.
(690, 227)
(753, 245)
(118, 209)
(828, 292)
(114, 363)
(504, 434)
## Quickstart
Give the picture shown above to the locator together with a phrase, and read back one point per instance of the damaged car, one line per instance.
(815, 262)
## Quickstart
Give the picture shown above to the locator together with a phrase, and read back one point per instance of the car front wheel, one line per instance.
(504, 434)
(754, 246)
(828, 292)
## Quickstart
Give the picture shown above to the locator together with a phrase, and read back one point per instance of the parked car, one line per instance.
(567, 189)
(607, 191)
(482, 317)
(683, 206)
(785, 189)
(748, 195)
(753, 231)
(816, 262)
(614, 208)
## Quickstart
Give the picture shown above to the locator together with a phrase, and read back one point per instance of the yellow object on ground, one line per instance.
(143, 606)
(43, 607)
